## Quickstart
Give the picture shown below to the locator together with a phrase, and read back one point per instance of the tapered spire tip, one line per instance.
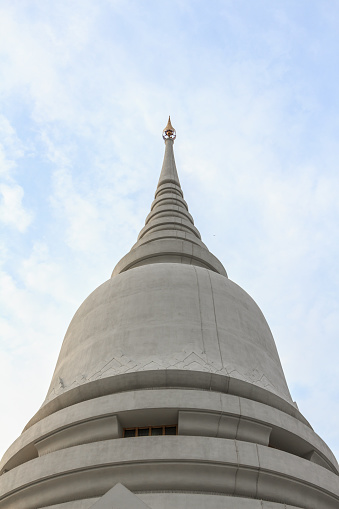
(169, 133)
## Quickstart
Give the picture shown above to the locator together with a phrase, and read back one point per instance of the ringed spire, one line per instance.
(169, 234)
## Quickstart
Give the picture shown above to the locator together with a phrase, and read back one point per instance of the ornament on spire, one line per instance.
(169, 132)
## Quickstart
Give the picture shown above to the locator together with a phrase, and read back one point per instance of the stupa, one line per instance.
(169, 392)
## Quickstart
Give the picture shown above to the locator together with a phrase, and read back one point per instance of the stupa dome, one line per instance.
(169, 316)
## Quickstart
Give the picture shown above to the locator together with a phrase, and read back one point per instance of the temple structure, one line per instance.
(169, 392)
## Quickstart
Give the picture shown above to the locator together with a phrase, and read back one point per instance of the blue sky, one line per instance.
(85, 91)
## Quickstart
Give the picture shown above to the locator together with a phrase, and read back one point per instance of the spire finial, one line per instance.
(169, 132)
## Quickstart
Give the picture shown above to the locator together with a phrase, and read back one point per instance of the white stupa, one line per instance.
(169, 392)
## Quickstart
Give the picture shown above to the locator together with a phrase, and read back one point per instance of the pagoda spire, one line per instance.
(169, 234)
(169, 172)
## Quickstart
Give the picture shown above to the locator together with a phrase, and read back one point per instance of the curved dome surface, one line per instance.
(169, 316)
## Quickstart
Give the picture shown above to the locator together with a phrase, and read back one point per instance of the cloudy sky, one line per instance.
(85, 91)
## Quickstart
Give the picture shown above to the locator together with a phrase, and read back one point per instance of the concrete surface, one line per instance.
(179, 463)
(200, 413)
(169, 339)
(169, 316)
(119, 497)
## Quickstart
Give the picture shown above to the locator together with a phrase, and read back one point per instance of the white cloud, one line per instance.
(12, 212)
(10, 148)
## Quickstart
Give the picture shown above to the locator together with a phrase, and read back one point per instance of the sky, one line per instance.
(85, 91)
